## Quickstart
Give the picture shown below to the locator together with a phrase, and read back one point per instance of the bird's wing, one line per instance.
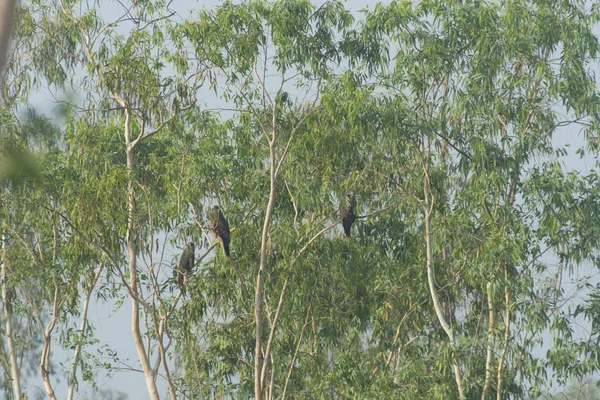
(184, 259)
(223, 229)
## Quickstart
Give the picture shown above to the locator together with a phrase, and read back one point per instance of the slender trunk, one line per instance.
(7, 10)
(258, 301)
(270, 395)
(82, 328)
(490, 344)
(44, 362)
(133, 283)
(45, 359)
(506, 335)
(7, 310)
(431, 277)
(163, 358)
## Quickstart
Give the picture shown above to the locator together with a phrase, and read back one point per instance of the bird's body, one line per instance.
(220, 228)
(347, 213)
(186, 263)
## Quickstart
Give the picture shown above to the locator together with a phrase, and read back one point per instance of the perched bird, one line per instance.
(347, 213)
(220, 228)
(186, 263)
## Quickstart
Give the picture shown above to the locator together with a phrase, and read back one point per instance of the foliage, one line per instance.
(466, 272)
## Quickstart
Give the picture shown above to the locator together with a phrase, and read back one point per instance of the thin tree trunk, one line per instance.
(82, 328)
(7, 310)
(506, 336)
(431, 275)
(7, 10)
(45, 359)
(133, 283)
(163, 357)
(258, 301)
(490, 344)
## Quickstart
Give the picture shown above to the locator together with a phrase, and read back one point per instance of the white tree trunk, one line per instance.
(6, 302)
(258, 304)
(490, 344)
(133, 283)
(428, 206)
(45, 359)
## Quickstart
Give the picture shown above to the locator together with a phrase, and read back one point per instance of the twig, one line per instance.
(289, 374)
(295, 208)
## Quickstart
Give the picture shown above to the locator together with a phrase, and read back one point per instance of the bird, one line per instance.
(347, 213)
(186, 263)
(220, 228)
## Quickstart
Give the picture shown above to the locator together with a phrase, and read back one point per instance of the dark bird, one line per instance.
(220, 228)
(186, 263)
(347, 213)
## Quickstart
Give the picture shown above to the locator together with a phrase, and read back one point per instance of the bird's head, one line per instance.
(191, 246)
(215, 208)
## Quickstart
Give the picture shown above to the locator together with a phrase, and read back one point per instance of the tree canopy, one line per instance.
(471, 267)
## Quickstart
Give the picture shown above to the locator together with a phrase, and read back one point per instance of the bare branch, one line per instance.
(72, 378)
(378, 211)
(195, 216)
(143, 136)
(295, 208)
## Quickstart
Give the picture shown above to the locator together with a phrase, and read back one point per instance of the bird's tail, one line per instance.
(224, 245)
(181, 278)
(226, 248)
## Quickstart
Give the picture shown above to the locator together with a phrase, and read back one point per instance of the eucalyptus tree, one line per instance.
(443, 126)
(122, 81)
(258, 54)
(479, 85)
(41, 264)
(439, 118)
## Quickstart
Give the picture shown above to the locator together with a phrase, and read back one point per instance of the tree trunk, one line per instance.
(45, 359)
(258, 304)
(490, 344)
(135, 307)
(7, 310)
(428, 206)
(7, 9)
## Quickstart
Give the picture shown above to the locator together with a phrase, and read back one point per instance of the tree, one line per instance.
(437, 116)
